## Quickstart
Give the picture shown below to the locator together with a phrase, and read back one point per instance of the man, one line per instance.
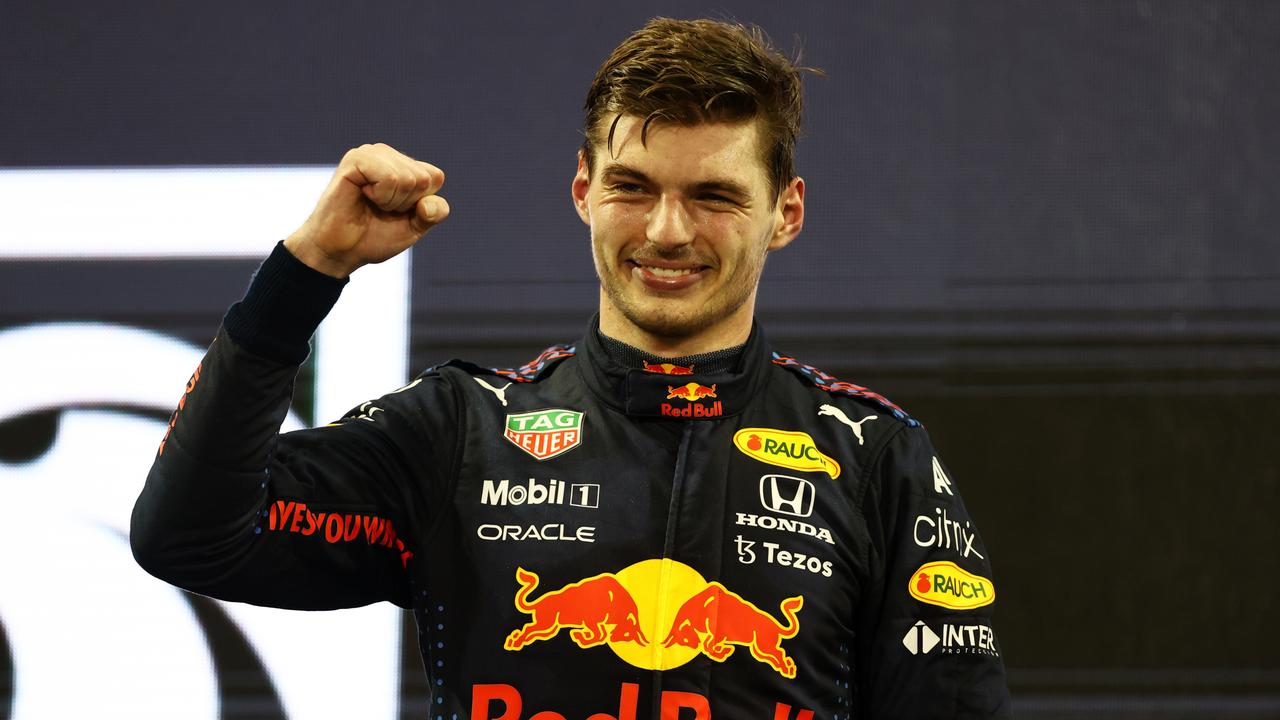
(666, 519)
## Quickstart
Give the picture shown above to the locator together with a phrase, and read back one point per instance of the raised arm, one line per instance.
(318, 518)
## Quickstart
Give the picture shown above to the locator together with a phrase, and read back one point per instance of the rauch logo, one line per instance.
(790, 449)
(946, 585)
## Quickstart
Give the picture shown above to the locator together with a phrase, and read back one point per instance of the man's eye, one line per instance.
(626, 188)
(717, 198)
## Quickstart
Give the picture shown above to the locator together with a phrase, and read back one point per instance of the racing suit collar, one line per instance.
(673, 392)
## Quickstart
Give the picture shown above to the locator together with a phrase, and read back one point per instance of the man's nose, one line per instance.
(669, 223)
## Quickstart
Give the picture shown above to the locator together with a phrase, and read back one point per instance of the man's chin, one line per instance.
(672, 323)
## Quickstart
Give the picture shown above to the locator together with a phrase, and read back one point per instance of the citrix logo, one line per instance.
(943, 532)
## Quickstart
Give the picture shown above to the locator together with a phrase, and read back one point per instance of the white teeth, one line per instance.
(668, 272)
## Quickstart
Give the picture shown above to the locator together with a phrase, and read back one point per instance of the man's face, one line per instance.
(680, 227)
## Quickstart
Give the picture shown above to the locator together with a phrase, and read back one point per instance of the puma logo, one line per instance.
(839, 415)
(501, 392)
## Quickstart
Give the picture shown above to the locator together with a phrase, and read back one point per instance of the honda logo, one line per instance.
(787, 495)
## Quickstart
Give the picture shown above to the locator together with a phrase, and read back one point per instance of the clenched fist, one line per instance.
(379, 203)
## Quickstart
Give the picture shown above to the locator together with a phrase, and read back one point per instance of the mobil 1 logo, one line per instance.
(535, 492)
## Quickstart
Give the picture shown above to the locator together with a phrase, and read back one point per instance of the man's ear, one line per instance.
(581, 183)
(788, 215)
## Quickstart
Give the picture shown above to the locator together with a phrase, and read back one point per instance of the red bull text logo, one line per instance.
(673, 704)
(693, 393)
(790, 449)
(656, 615)
(545, 434)
(667, 368)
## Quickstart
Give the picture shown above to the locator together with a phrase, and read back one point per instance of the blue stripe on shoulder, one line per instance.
(830, 384)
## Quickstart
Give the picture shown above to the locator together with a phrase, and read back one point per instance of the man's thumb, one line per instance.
(430, 211)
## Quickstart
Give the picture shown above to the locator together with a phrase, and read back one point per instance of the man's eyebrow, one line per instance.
(725, 185)
(615, 168)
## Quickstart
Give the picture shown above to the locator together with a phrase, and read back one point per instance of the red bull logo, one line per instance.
(598, 609)
(717, 619)
(693, 393)
(673, 705)
(667, 368)
(657, 599)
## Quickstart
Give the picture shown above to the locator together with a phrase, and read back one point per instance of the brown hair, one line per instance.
(693, 71)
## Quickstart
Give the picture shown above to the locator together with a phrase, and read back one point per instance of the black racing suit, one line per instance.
(585, 540)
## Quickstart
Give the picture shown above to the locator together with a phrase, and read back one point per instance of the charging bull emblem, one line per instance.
(717, 618)
(691, 392)
(667, 368)
(652, 599)
(599, 609)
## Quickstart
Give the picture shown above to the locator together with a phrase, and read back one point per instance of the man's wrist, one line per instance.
(313, 257)
(285, 303)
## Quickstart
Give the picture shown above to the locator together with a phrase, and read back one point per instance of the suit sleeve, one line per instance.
(323, 518)
(926, 646)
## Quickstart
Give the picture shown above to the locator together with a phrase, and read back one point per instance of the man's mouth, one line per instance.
(667, 272)
(666, 275)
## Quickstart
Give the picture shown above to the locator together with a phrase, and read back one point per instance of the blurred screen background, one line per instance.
(1046, 229)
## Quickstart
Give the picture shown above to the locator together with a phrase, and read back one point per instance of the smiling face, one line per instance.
(680, 227)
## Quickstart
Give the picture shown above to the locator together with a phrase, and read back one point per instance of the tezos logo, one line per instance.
(545, 434)
(790, 449)
(956, 639)
(946, 585)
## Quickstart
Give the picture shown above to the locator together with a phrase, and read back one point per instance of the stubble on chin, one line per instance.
(675, 318)
(666, 322)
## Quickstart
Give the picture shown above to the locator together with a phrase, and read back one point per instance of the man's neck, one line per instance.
(715, 362)
(732, 332)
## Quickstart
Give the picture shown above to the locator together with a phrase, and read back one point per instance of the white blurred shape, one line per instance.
(89, 630)
(362, 348)
(92, 634)
(154, 212)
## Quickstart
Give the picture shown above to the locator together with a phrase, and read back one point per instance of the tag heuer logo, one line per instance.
(545, 434)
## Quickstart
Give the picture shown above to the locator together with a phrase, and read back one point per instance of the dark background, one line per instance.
(1047, 229)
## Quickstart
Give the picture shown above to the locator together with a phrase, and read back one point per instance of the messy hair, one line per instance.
(694, 71)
